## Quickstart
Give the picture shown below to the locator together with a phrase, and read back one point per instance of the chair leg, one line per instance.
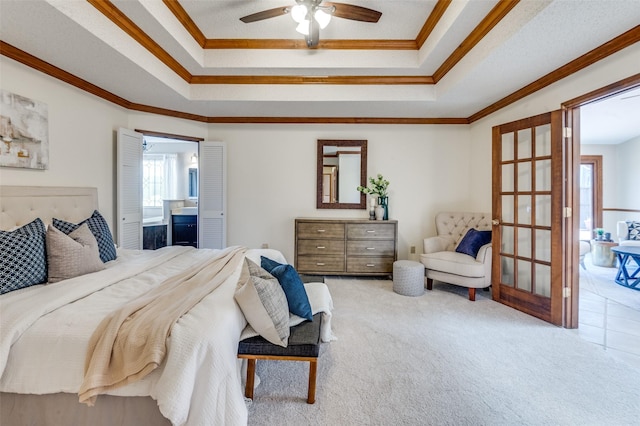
(251, 374)
(472, 294)
(429, 284)
(311, 396)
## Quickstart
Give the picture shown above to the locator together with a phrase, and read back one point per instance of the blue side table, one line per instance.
(626, 256)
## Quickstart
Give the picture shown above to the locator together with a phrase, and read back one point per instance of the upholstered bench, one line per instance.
(304, 345)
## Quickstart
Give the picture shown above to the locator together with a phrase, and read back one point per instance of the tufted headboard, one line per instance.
(20, 205)
(455, 224)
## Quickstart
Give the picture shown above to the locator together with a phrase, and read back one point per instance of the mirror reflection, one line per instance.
(341, 169)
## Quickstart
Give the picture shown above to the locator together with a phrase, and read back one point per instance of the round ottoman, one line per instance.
(408, 278)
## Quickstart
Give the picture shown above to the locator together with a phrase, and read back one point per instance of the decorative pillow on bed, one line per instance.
(472, 241)
(23, 257)
(72, 255)
(263, 303)
(100, 230)
(634, 230)
(292, 285)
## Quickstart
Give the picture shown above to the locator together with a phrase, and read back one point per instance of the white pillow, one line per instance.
(263, 303)
(72, 255)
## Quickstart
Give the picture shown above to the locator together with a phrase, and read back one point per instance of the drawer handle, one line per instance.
(320, 247)
(371, 248)
(370, 265)
(320, 230)
(371, 231)
(319, 264)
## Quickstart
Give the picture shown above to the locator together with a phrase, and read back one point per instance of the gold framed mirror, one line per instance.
(341, 168)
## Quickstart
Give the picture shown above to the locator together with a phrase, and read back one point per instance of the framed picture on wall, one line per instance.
(24, 130)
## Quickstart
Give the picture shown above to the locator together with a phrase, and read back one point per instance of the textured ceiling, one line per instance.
(528, 41)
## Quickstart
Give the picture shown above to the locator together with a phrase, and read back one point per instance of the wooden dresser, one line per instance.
(345, 246)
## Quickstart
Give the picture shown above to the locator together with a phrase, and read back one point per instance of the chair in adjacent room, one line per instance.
(461, 252)
(628, 233)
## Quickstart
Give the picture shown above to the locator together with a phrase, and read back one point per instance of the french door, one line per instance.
(528, 216)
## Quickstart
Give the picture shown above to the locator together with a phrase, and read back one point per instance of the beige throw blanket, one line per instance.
(131, 342)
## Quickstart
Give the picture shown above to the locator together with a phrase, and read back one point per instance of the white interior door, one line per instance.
(212, 195)
(129, 184)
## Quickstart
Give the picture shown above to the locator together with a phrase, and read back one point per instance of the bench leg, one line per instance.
(311, 397)
(251, 375)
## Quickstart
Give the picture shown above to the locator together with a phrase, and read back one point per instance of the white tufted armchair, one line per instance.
(443, 263)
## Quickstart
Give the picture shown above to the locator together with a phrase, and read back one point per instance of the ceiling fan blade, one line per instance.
(265, 14)
(355, 13)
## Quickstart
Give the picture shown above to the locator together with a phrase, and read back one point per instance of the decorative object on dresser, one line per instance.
(378, 186)
(345, 246)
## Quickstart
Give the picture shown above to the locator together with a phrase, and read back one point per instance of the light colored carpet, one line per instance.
(601, 281)
(439, 359)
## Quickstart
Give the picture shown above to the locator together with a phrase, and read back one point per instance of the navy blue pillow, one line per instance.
(472, 241)
(268, 264)
(99, 228)
(23, 257)
(292, 286)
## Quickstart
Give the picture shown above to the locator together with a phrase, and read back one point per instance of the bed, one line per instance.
(46, 330)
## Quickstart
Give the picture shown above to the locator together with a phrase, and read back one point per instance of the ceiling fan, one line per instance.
(313, 15)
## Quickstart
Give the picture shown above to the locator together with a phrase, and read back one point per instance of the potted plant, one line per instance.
(599, 234)
(378, 186)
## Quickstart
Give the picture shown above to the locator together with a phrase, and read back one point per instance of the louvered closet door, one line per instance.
(129, 182)
(212, 196)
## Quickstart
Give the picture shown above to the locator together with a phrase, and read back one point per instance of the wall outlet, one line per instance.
(265, 245)
(413, 249)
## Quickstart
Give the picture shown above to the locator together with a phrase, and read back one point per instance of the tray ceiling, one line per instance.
(435, 59)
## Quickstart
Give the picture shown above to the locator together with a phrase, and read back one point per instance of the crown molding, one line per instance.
(615, 45)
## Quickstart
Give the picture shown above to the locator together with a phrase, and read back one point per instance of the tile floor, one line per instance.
(609, 317)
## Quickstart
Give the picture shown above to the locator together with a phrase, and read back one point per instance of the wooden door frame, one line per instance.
(571, 111)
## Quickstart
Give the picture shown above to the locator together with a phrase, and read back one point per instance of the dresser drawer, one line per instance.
(325, 264)
(320, 247)
(370, 265)
(371, 248)
(323, 230)
(379, 231)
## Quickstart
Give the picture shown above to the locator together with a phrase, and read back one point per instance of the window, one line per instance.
(158, 179)
(590, 195)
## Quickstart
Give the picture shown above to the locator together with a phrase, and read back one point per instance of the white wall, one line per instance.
(620, 177)
(629, 176)
(272, 177)
(82, 134)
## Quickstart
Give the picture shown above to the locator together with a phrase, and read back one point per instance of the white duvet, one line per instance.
(45, 329)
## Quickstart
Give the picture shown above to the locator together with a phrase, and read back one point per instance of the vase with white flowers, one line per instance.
(378, 186)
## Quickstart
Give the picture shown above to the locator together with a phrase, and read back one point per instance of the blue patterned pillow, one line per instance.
(634, 230)
(472, 241)
(23, 257)
(99, 228)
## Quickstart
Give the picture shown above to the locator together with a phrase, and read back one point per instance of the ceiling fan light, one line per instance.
(322, 18)
(299, 13)
(303, 27)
